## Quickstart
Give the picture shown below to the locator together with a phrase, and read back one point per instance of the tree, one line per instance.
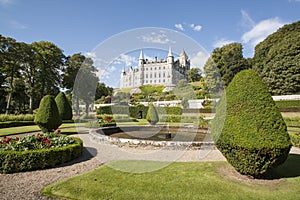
(194, 75)
(227, 61)
(11, 65)
(49, 62)
(86, 83)
(47, 117)
(213, 78)
(248, 128)
(152, 116)
(63, 106)
(73, 65)
(277, 60)
(103, 91)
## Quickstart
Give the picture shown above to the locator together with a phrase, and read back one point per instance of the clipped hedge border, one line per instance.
(17, 161)
(16, 124)
(295, 139)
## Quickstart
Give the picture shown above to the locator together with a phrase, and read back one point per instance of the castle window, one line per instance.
(154, 81)
(155, 68)
(151, 68)
(146, 75)
(164, 74)
(164, 80)
(150, 81)
(154, 75)
(158, 75)
(150, 75)
(159, 68)
(164, 67)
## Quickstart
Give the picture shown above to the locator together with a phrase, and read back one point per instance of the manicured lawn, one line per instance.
(293, 129)
(28, 129)
(194, 180)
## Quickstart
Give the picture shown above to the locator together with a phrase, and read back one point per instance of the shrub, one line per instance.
(152, 116)
(22, 117)
(63, 106)
(47, 117)
(254, 137)
(292, 121)
(15, 124)
(295, 139)
(17, 161)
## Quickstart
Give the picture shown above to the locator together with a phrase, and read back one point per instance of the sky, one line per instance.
(80, 26)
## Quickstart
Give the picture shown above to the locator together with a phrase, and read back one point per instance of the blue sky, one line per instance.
(79, 26)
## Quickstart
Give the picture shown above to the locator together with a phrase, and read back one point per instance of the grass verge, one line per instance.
(197, 180)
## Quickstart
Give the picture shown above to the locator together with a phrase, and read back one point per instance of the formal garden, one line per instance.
(256, 140)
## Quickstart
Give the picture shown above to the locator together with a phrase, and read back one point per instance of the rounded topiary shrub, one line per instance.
(152, 116)
(64, 107)
(248, 128)
(47, 117)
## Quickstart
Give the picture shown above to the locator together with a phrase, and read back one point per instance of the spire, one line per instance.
(170, 52)
(141, 55)
(183, 54)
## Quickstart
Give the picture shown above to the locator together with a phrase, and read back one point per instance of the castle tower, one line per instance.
(141, 67)
(183, 58)
(170, 58)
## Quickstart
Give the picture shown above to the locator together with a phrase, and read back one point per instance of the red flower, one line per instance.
(58, 131)
(4, 136)
(17, 139)
(108, 119)
(47, 142)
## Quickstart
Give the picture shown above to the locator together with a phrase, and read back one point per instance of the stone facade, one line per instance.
(156, 72)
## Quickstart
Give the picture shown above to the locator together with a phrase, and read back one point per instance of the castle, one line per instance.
(157, 72)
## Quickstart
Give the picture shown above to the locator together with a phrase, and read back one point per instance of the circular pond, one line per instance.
(155, 136)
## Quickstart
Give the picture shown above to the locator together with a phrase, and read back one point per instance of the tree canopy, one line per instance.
(277, 60)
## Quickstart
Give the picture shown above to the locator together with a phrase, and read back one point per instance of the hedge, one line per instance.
(288, 104)
(134, 111)
(295, 139)
(27, 117)
(18, 161)
(16, 124)
(292, 121)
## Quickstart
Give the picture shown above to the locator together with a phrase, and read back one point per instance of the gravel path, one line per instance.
(28, 185)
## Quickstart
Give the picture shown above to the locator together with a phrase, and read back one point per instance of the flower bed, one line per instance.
(37, 151)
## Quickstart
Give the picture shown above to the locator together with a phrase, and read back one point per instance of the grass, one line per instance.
(193, 180)
(29, 129)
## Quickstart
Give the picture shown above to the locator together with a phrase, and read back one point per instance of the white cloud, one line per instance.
(179, 26)
(126, 59)
(196, 27)
(154, 37)
(17, 25)
(261, 30)
(221, 42)
(247, 21)
(199, 59)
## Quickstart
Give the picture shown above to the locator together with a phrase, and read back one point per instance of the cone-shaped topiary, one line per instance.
(47, 117)
(64, 107)
(152, 116)
(254, 137)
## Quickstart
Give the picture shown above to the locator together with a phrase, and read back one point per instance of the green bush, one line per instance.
(22, 117)
(288, 104)
(47, 117)
(17, 161)
(254, 137)
(15, 124)
(63, 106)
(295, 139)
(292, 121)
(133, 111)
(152, 116)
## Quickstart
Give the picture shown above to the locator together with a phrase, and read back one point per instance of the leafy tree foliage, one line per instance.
(277, 60)
(194, 75)
(86, 83)
(248, 128)
(47, 117)
(152, 116)
(225, 62)
(63, 106)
